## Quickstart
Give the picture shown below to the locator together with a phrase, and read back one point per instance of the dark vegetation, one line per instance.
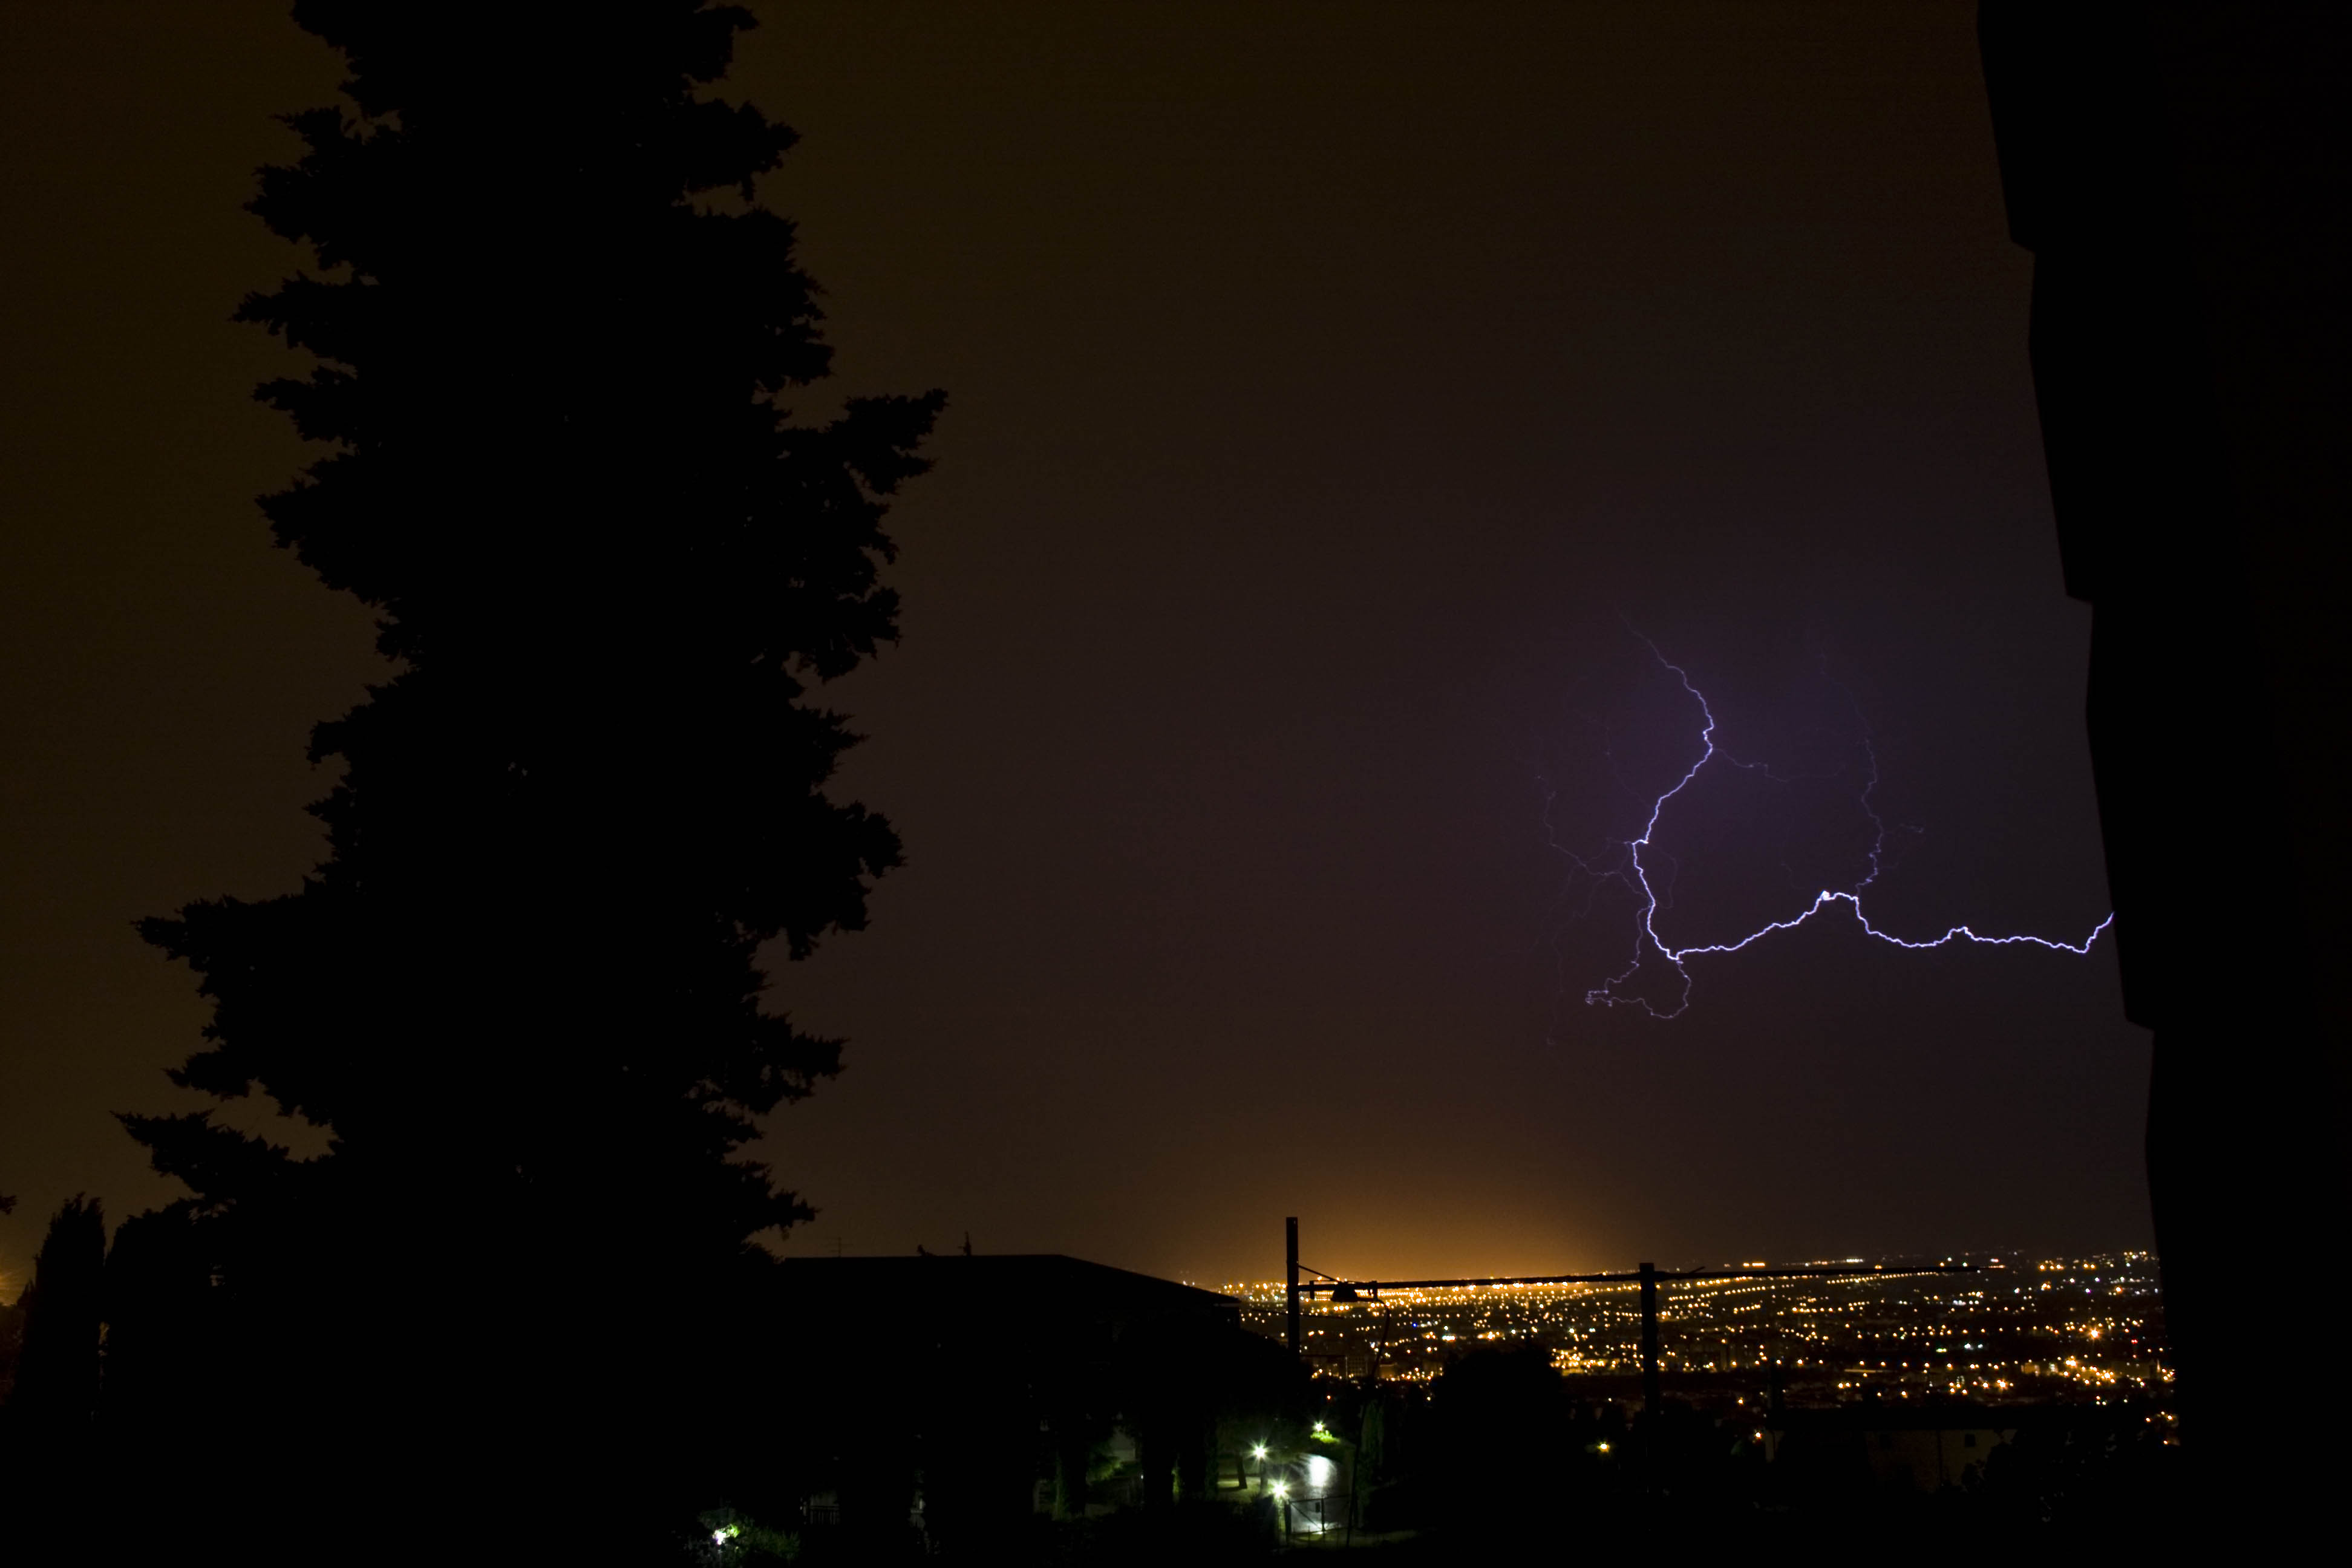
(1504, 1453)
(550, 333)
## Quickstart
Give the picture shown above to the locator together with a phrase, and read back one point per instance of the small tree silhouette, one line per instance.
(55, 1396)
(47, 1469)
(553, 332)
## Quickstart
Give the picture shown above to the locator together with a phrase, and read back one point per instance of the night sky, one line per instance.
(1336, 391)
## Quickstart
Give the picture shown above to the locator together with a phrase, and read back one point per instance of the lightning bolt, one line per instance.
(1634, 870)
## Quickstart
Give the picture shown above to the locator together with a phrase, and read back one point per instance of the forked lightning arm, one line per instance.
(1604, 996)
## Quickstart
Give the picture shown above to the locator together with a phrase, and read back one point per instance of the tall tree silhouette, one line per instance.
(553, 331)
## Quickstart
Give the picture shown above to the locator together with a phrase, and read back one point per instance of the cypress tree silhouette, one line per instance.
(553, 333)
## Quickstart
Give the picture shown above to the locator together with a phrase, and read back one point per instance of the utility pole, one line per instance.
(1650, 1397)
(1290, 1278)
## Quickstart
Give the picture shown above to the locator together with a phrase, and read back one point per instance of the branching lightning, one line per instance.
(1635, 872)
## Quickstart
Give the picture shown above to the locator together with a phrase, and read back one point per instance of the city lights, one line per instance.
(2011, 1330)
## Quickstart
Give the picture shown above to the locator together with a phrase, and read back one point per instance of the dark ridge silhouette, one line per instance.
(2183, 173)
(552, 335)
